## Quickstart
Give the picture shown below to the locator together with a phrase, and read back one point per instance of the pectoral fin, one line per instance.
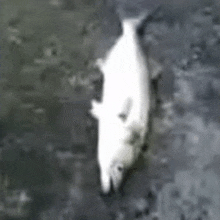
(126, 109)
(96, 109)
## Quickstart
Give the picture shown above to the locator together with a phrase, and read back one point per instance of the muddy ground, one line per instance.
(48, 141)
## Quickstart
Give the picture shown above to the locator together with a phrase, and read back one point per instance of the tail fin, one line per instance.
(145, 18)
(139, 23)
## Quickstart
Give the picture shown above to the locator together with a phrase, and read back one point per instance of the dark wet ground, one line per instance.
(48, 141)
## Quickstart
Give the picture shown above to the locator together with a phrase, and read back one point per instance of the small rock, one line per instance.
(164, 161)
(207, 11)
(184, 64)
(155, 216)
(175, 193)
(182, 217)
(216, 19)
(216, 86)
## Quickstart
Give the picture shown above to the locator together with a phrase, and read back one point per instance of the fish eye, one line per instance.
(120, 168)
(123, 117)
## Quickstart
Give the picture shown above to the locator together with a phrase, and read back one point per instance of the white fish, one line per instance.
(124, 111)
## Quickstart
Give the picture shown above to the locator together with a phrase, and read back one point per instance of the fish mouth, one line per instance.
(110, 191)
(115, 184)
(113, 189)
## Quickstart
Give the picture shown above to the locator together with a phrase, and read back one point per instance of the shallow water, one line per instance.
(48, 141)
